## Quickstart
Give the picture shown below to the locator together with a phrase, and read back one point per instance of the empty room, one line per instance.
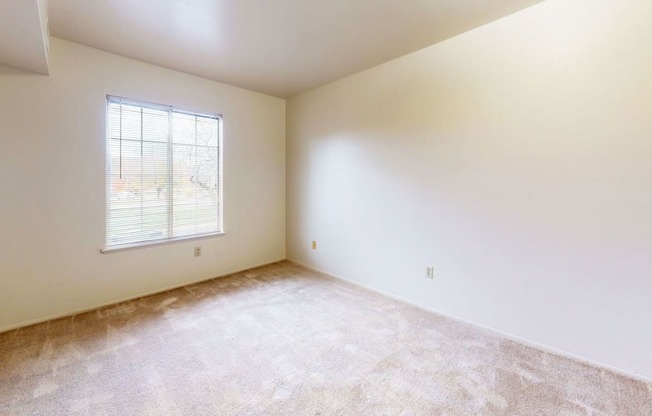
(311, 207)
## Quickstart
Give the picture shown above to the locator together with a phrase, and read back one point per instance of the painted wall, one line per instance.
(52, 184)
(24, 34)
(516, 159)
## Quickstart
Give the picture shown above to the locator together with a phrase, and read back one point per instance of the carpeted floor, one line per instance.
(283, 340)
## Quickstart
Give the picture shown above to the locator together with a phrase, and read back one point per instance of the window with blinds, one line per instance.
(163, 178)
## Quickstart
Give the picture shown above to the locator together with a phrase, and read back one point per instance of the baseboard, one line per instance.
(31, 322)
(507, 335)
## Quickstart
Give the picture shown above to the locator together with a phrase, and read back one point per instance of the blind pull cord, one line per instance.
(120, 141)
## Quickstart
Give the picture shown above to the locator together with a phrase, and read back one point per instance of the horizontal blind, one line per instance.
(163, 173)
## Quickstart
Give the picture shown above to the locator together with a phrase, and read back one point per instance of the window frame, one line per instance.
(220, 176)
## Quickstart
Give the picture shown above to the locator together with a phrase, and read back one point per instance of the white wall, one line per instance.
(52, 192)
(515, 158)
(24, 35)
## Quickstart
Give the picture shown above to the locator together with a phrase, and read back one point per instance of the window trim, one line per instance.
(220, 145)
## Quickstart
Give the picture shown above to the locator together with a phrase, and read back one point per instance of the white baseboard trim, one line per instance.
(507, 335)
(53, 317)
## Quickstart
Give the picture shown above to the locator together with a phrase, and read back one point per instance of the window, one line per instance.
(163, 179)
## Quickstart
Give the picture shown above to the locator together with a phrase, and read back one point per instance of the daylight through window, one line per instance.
(163, 173)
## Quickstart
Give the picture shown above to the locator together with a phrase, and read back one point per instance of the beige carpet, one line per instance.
(283, 340)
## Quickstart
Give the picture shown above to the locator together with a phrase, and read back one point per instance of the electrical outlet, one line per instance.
(430, 272)
(197, 251)
(314, 245)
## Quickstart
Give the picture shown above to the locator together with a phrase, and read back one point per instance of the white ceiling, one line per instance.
(279, 47)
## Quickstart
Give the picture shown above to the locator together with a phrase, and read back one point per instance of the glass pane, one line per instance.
(184, 128)
(196, 196)
(114, 121)
(185, 178)
(131, 123)
(156, 125)
(124, 192)
(130, 225)
(207, 131)
(124, 157)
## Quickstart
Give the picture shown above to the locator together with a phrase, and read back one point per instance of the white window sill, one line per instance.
(124, 247)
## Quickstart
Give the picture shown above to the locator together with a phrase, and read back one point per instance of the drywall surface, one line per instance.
(24, 35)
(52, 192)
(516, 159)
